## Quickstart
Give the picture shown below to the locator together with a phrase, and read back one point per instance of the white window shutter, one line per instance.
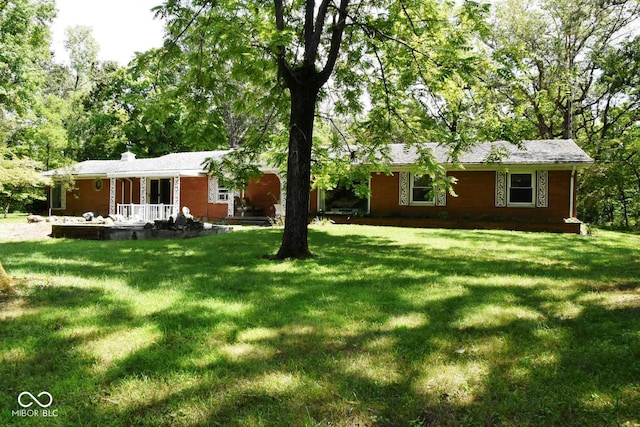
(501, 189)
(213, 189)
(441, 196)
(542, 189)
(405, 188)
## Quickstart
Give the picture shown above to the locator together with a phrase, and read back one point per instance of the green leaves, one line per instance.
(236, 169)
(24, 32)
(575, 78)
(20, 180)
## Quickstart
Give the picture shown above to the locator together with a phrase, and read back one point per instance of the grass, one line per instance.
(13, 218)
(386, 327)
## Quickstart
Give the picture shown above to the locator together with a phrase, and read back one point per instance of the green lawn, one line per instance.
(386, 327)
(13, 218)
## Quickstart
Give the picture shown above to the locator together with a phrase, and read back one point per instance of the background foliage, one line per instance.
(578, 78)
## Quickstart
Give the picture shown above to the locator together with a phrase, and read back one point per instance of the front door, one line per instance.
(160, 191)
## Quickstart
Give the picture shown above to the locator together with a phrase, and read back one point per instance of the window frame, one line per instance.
(321, 203)
(222, 195)
(161, 190)
(530, 204)
(98, 184)
(412, 186)
(61, 196)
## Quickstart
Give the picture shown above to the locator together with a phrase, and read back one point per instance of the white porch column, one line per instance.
(230, 203)
(176, 193)
(283, 192)
(143, 190)
(112, 196)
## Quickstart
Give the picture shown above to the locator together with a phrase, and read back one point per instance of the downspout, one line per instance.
(571, 192)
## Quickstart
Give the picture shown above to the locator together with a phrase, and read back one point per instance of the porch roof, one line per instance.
(175, 164)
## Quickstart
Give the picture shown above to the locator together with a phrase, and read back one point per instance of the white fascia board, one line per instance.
(478, 167)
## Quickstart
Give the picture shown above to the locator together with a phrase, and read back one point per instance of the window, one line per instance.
(58, 199)
(422, 189)
(160, 191)
(521, 189)
(97, 184)
(223, 194)
(343, 199)
(217, 194)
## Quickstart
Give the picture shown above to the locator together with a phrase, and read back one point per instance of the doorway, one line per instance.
(160, 191)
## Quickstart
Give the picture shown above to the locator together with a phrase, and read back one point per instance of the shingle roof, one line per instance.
(537, 152)
(168, 165)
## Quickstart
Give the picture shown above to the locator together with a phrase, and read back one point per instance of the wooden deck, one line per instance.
(264, 221)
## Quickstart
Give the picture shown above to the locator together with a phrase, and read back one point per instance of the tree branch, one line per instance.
(174, 41)
(283, 69)
(311, 50)
(336, 41)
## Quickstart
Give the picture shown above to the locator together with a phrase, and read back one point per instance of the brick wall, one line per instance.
(476, 199)
(83, 198)
(194, 194)
(263, 192)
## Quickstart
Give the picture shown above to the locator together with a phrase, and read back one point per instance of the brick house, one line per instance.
(532, 186)
(155, 188)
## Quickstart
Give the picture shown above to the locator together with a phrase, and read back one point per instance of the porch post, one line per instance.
(143, 190)
(230, 203)
(112, 196)
(283, 192)
(176, 194)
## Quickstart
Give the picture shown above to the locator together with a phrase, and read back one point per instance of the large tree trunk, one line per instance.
(304, 82)
(303, 105)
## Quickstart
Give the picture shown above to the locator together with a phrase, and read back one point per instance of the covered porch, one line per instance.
(144, 198)
(145, 212)
(149, 198)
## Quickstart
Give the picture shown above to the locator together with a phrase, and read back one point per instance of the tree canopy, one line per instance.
(20, 179)
(387, 60)
(24, 43)
(325, 85)
(576, 79)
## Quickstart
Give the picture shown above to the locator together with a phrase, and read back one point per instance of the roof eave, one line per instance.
(496, 166)
(157, 173)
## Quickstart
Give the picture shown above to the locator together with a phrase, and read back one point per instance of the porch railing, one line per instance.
(147, 212)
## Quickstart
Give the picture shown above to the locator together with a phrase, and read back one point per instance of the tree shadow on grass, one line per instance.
(371, 332)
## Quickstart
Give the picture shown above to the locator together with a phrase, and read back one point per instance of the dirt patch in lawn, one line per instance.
(17, 231)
